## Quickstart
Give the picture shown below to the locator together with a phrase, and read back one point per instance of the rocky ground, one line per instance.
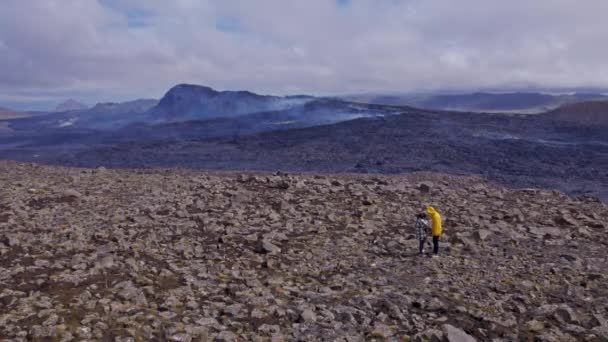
(95, 254)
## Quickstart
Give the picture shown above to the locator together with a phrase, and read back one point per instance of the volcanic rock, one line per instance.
(186, 255)
(454, 334)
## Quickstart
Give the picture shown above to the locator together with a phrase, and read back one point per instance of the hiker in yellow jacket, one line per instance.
(435, 227)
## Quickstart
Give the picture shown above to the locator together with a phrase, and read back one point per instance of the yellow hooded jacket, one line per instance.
(435, 219)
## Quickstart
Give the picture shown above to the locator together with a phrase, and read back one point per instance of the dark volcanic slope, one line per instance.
(517, 151)
(68, 131)
(592, 113)
(118, 255)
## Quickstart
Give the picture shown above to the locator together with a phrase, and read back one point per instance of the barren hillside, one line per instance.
(592, 113)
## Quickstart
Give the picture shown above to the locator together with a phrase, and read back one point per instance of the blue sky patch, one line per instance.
(343, 3)
(138, 17)
(229, 25)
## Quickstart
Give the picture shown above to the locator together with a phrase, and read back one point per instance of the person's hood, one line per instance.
(430, 210)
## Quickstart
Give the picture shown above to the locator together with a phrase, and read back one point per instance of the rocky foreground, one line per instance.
(191, 256)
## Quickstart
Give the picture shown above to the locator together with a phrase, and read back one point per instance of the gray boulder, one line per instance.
(454, 334)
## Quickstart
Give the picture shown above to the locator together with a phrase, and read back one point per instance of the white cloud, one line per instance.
(121, 49)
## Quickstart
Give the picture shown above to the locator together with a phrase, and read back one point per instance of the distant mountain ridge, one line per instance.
(188, 110)
(101, 116)
(6, 113)
(481, 102)
(232, 112)
(111, 115)
(135, 105)
(70, 105)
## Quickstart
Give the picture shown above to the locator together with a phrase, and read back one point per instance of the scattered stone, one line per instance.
(565, 314)
(425, 187)
(181, 338)
(269, 329)
(535, 325)
(257, 314)
(308, 315)
(381, 331)
(482, 234)
(277, 338)
(234, 310)
(264, 246)
(601, 332)
(565, 220)
(431, 335)
(226, 336)
(70, 193)
(454, 334)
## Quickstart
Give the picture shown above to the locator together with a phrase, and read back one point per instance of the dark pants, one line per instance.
(435, 245)
(421, 248)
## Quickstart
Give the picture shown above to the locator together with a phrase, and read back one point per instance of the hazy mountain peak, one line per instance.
(194, 88)
(70, 105)
(186, 93)
(135, 104)
(190, 101)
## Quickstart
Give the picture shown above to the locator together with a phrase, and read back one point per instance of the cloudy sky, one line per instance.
(102, 50)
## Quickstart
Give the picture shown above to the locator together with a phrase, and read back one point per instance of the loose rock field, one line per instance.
(96, 254)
